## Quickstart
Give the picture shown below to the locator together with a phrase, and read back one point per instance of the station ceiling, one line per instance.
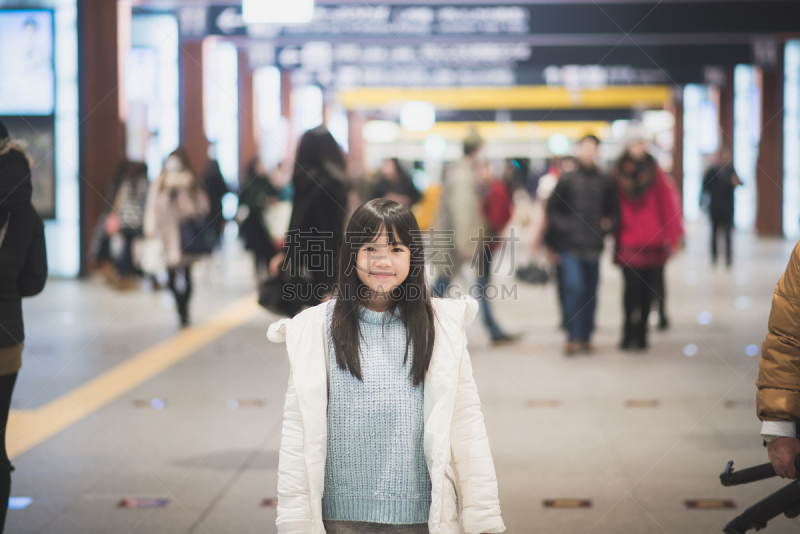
(184, 3)
(666, 41)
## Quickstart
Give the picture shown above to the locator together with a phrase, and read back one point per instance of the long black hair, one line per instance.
(410, 301)
(318, 153)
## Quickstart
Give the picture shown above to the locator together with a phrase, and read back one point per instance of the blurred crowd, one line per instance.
(292, 218)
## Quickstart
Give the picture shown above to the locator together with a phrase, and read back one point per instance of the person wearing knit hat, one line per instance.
(636, 132)
(473, 142)
(650, 230)
(23, 272)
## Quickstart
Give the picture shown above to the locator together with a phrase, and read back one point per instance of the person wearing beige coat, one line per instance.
(464, 495)
(778, 397)
(462, 234)
(174, 197)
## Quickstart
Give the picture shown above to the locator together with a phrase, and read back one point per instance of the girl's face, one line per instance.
(383, 267)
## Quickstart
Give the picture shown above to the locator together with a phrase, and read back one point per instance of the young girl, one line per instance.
(383, 430)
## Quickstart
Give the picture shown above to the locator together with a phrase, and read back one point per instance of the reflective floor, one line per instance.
(113, 404)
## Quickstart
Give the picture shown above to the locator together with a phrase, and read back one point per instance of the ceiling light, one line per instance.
(277, 11)
(417, 116)
(658, 121)
(381, 131)
(435, 146)
(558, 144)
(619, 128)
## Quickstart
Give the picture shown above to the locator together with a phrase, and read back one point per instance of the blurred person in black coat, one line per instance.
(316, 229)
(255, 197)
(23, 272)
(719, 185)
(216, 188)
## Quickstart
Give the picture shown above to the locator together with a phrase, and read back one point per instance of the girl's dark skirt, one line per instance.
(360, 527)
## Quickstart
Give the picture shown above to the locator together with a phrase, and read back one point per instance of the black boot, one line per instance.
(5, 493)
(627, 336)
(183, 312)
(641, 335)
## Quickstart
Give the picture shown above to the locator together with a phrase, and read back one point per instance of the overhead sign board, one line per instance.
(350, 64)
(383, 20)
(657, 19)
(495, 44)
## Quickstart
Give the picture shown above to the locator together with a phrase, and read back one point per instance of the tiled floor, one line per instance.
(559, 428)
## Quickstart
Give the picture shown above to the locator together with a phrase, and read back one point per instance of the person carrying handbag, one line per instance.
(305, 268)
(123, 222)
(175, 211)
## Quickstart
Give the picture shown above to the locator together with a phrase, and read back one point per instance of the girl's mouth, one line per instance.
(382, 275)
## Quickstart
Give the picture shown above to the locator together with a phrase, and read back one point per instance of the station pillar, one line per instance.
(248, 116)
(677, 143)
(104, 38)
(769, 166)
(192, 104)
(726, 107)
(286, 112)
(355, 141)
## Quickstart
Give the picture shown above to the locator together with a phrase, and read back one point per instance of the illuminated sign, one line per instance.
(27, 77)
(380, 20)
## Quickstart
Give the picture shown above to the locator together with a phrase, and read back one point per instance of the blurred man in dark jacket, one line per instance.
(580, 212)
(719, 185)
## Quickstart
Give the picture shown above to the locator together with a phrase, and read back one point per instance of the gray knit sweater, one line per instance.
(375, 469)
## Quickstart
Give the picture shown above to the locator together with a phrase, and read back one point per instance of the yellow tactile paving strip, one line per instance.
(28, 428)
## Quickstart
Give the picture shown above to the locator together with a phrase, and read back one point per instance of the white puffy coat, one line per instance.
(463, 499)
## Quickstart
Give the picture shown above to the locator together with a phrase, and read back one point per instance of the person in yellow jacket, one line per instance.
(778, 397)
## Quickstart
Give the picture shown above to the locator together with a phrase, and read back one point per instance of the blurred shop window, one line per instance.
(708, 121)
(27, 96)
(699, 140)
(273, 128)
(306, 108)
(746, 134)
(151, 90)
(27, 74)
(791, 140)
(39, 99)
(222, 108)
(339, 126)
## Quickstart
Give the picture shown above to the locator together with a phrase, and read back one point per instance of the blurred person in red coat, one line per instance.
(497, 203)
(496, 206)
(649, 232)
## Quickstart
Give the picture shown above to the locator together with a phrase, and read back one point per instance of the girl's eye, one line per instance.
(369, 249)
(397, 249)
